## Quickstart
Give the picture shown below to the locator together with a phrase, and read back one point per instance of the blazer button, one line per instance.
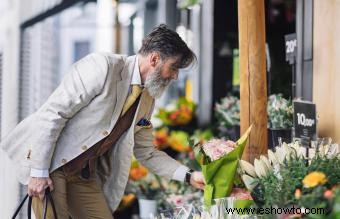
(105, 133)
(84, 147)
(63, 161)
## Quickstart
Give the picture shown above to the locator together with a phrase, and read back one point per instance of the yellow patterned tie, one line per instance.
(135, 92)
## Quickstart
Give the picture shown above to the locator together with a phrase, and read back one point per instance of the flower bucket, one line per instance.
(275, 134)
(147, 208)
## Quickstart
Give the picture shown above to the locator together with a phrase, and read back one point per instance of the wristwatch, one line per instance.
(188, 176)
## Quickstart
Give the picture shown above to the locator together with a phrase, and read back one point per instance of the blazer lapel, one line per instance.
(122, 88)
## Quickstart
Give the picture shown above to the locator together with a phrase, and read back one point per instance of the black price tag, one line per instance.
(290, 45)
(305, 121)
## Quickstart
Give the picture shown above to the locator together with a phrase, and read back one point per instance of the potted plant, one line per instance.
(147, 187)
(316, 194)
(227, 113)
(177, 113)
(280, 119)
(287, 178)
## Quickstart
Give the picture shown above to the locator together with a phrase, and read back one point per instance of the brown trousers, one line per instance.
(74, 197)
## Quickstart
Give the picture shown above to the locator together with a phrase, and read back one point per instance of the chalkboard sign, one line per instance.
(305, 121)
(291, 46)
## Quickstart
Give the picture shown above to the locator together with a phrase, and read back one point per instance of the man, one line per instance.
(80, 142)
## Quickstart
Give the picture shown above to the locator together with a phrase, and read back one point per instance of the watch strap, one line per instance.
(188, 176)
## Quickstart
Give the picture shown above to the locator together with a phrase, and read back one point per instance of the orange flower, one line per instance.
(178, 141)
(174, 115)
(128, 199)
(182, 116)
(314, 179)
(138, 172)
(161, 138)
(178, 146)
(328, 194)
(298, 193)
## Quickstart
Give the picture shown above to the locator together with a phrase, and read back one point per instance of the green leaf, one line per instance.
(183, 4)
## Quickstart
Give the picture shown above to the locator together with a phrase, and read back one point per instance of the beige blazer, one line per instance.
(80, 112)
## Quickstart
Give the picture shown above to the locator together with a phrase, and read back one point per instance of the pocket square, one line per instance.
(144, 123)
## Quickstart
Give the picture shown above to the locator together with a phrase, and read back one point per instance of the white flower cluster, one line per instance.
(228, 111)
(280, 112)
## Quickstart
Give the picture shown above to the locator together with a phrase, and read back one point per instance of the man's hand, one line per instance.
(197, 180)
(37, 186)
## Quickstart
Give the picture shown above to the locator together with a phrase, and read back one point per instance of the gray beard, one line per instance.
(156, 84)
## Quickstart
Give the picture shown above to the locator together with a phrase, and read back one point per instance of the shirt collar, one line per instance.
(136, 79)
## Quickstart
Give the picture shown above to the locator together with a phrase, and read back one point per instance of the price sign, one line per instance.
(305, 121)
(291, 45)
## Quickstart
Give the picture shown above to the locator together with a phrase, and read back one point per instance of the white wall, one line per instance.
(9, 45)
(105, 26)
(326, 75)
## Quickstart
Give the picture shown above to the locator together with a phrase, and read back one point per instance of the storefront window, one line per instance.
(81, 49)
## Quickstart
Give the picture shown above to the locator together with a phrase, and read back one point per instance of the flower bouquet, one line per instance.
(219, 160)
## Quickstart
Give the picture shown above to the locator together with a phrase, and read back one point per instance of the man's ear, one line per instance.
(154, 58)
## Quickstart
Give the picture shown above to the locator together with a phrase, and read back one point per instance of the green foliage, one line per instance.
(278, 186)
(329, 166)
(228, 111)
(196, 140)
(203, 135)
(183, 4)
(279, 109)
(314, 198)
(280, 112)
(336, 205)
